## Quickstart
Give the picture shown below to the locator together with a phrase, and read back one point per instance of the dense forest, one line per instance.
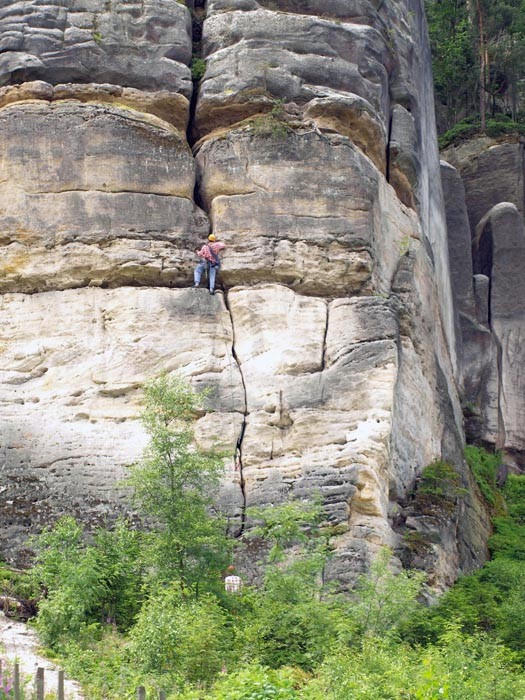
(478, 49)
(144, 603)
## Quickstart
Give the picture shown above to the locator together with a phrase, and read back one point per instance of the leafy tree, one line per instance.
(289, 622)
(385, 599)
(478, 49)
(174, 484)
(71, 579)
(119, 559)
(452, 43)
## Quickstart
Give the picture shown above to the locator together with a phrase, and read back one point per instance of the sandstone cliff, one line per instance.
(485, 196)
(308, 147)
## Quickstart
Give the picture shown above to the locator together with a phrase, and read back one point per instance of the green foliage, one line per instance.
(508, 539)
(174, 485)
(384, 598)
(256, 682)
(466, 129)
(285, 525)
(439, 482)
(514, 492)
(484, 467)
(273, 122)
(119, 558)
(288, 627)
(198, 68)
(461, 131)
(288, 622)
(85, 586)
(181, 636)
(456, 668)
(69, 574)
(453, 55)
(291, 637)
(17, 584)
(491, 599)
(477, 57)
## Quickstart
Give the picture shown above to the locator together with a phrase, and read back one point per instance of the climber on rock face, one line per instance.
(210, 261)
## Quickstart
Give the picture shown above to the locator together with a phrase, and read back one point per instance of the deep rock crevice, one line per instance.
(239, 442)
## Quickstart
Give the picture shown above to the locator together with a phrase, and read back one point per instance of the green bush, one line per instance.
(499, 125)
(459, 132)
(198, 68)
(514, 492)
(440, 481)
(255, 682)
(73, 583)
(186, 637)
(457, 667)
(484, 467)
(508, 539)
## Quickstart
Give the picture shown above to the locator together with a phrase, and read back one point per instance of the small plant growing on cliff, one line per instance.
(404, 245)
(198, 68)
(440, 480)
(273, 122)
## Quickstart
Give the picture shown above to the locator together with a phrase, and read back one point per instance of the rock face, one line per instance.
(500, 255)
(136, 44)
(487, 238)
(492, 172)
(330, 351)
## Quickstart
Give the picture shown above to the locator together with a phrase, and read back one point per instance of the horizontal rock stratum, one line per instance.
(308, 147)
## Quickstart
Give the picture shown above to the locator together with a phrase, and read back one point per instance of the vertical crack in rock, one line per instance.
(387, 149)
(198, 14)
(483, 264)
(502, 433)
(238, 444)
(323, 356)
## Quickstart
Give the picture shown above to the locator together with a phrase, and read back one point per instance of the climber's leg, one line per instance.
(212, 274)
(197, 273)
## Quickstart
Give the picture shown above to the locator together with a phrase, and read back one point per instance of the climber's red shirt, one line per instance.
(205, 253)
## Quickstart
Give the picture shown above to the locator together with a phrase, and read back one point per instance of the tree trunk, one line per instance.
(482, 64)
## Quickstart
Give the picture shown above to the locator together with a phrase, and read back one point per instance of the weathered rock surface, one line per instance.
(459, 241)
(330, 353)
(290, 56)
(500, 254)
(169, 106)
(289, 220)
(71, 363)
(491, 303)
(113, 204)
(133, 44)
(492, 172)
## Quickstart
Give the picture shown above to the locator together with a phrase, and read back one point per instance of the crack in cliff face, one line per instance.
(198, 15)
(483, 264)
(323, 356)
(238, 445)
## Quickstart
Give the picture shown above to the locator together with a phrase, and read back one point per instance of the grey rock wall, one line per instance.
(146, 45)
(492, 172)
(484, 201)
(330, 349)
